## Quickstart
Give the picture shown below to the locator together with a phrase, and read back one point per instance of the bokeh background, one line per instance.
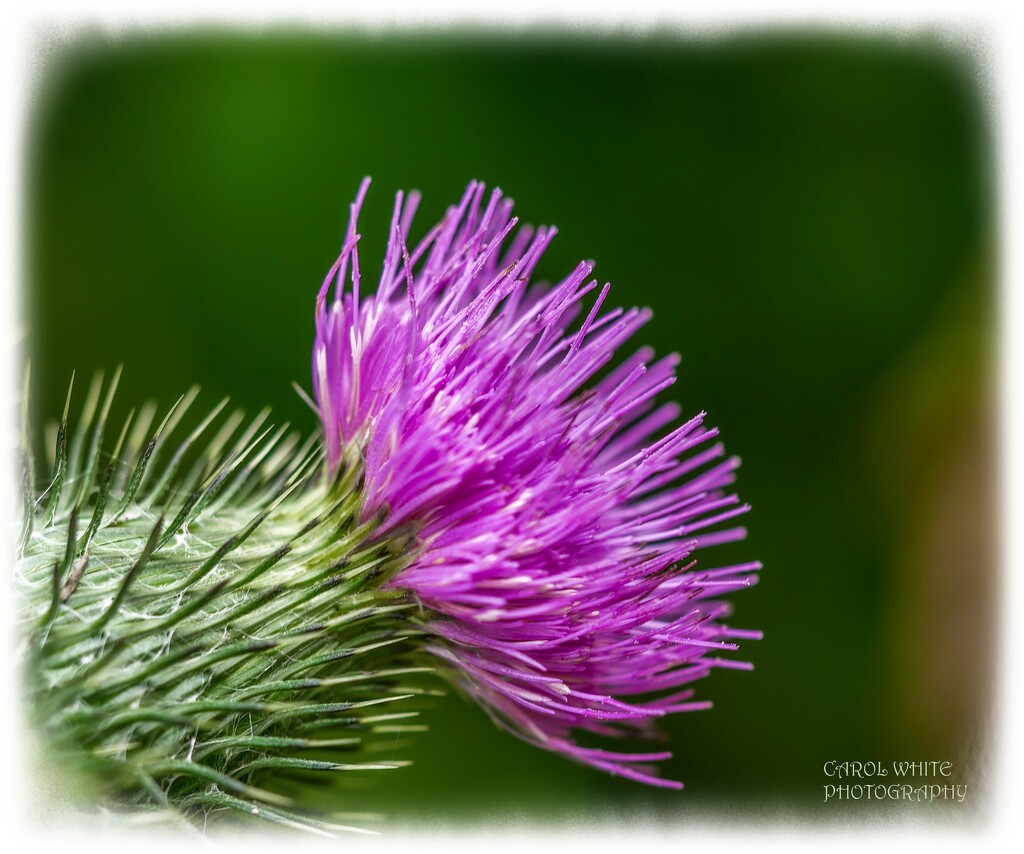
(809, 214)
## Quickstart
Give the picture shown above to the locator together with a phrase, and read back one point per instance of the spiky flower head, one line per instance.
(558, 506)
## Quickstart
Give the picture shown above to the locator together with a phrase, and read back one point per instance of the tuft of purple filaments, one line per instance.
(557, 513)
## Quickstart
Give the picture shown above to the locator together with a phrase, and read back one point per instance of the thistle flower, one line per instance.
(209, 622)
(557, 509)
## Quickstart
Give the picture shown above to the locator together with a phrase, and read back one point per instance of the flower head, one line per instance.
(557, 506)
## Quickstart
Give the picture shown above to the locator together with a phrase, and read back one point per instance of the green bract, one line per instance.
(204, 617)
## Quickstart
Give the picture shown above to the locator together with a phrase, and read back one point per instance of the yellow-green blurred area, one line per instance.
(809, 215)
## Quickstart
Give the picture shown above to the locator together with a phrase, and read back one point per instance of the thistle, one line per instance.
(211, 614)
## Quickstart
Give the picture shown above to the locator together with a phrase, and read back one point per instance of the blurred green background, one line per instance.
(810, 215)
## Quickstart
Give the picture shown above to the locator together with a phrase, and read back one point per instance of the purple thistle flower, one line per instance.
(557, 514)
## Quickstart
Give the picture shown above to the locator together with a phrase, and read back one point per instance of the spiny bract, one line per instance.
(205, 622)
